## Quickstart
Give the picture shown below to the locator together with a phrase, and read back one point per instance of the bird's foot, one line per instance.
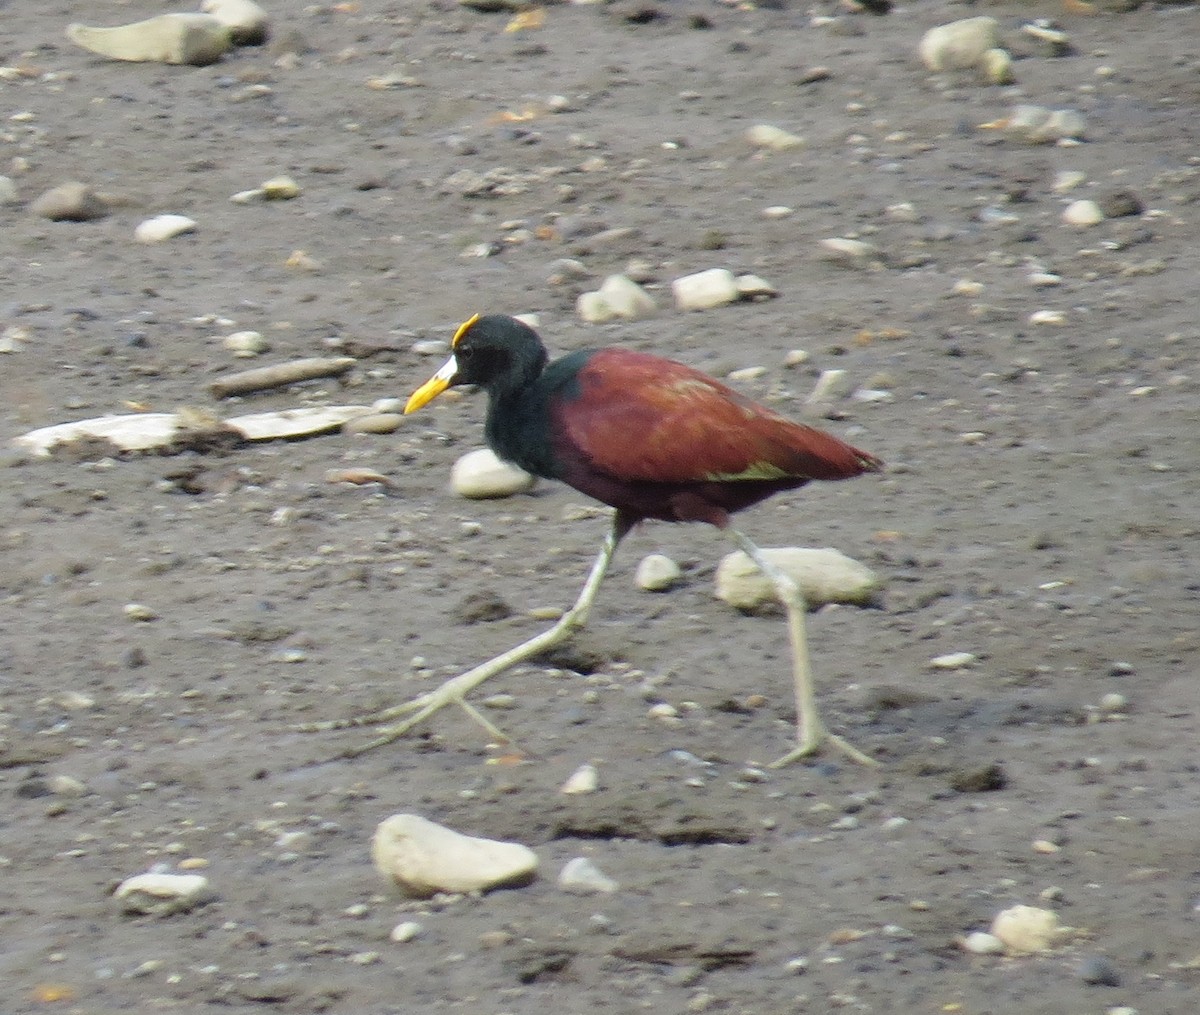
(813, 741)
(420, 708)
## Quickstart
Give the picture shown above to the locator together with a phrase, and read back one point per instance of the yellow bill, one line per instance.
(433, 387)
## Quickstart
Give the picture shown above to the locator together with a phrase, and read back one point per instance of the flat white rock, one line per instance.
(703, 290)
(823, 575)
(766, 135)
(1083, 213)
(959, 45)
(180, 38)
(163, 227)
(656, 572)
(618, 297)
(585, 779)
(424, 858)
(480, 475)
(247, 22)
(1029, 929)
(161, 894)
(582, 877)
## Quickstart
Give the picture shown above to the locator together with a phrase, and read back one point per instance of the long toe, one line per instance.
(812, 744)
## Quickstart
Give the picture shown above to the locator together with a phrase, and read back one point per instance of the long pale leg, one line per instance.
(454, 691)
(811, 733)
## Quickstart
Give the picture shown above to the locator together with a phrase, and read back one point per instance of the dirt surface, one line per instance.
(1038, 511)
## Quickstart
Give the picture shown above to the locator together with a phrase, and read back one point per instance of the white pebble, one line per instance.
(408, 930)
(161, 894)
(424, 858)
(831, 385)
(1044, 279)
(953, 660)
(983, 943)
(751, 287)
(1083, 213)
(582, 877)
(656, 572)
(847, 251)
(765, 135)
(163, 227)
(617, 297)
(959, 45)
(246, 344)
(139, 613)
(823, 575)
(1113, 702)
(1026, 929)
(481, 475)
(663, 710)
(1048, 317)
(585, 779)
(1067, 180)
(778, 211)
(703, 290)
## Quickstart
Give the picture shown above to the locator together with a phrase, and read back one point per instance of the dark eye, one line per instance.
(464, 353)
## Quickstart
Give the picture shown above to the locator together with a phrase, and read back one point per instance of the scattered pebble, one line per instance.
(618, 297)
(959, 45)
(831, 385)
(657, 572)
(1083, 213)
(751, 287)
(161, 894)
(8, 191)
(375, 422)
(139, 613)
(247, 22)
(823, 575)
(996, 66)
(982, 943)
(1113, 702)
(952, 660)
(1039, 125)
(69, 202)
(1054, 317)
(408, 930)
(424, 858)
(582, 877)
(1026, 929)
(585, 779)
(764, 135)
(194, 39)
(163, 227)
(481, 475)
(246, 344)
(853, 253)
(1098, 970)
(703, 290)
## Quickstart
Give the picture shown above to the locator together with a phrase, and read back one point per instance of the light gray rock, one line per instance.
(959, 45)
(617, 297)
(69, 202)
(1025, 929)
(163, 227)
(480, 475)
(582, 877)
(704, 290)
(656, 572)
(8, 191)
(766, 135)
(424, 858)
(823, 575)
(247, 22)
(1083, 213)
(194, 39)
(161, 894)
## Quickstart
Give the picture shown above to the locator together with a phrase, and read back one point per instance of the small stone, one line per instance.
(280, 188)
(1046, 847)
(163, 227)
(996, 65)
(424, 858)
(247, 22)
(1083, 213)
(796, 357)
(1039, 125)
(745, 375)
(481, 475)
(952, 660)
(617, 297)
(663, 710)
(982, 943)
(246, 344)
(705, 289)
(375, 422)
(585, 779)
(778, 211)
(852, 253)
(67, 786)
(1066, 180)
(1098, 970)
(69, 202)
(1113, 702)
(751, 287)
(959, 45)
(657, 572)
(408, 930)
(823, 575)
(1025, 929)
(831, 385)
(1120, 203)
(139, 613)
(161, 894)
(582, 877)
(8, 191)
(180, 38)
(764, 135)
(1053, 317)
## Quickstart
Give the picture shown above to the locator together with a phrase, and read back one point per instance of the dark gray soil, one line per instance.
(1039, 511)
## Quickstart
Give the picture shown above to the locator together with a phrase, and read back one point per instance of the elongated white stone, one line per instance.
(479, 475)
(161, 894)
(163, 227)
(195, 39)
(823, 575)
(424, 858)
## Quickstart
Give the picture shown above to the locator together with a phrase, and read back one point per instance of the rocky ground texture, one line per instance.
(1016, 324)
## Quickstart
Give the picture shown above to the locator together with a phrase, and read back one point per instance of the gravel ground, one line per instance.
(1038, 512)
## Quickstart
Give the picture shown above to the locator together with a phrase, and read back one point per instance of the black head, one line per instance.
(496, 352)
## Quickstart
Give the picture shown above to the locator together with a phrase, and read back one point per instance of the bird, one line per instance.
(653, 439)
